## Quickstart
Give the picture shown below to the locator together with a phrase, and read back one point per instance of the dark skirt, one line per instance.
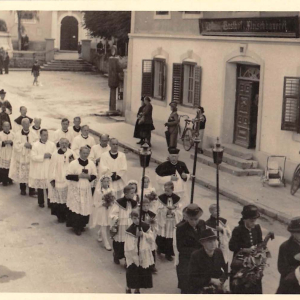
(145, 130)
(138, 277)
(182, 270)
(76, 220)
(59, 210)
(118, 249)
(137, 129)
(164, 245)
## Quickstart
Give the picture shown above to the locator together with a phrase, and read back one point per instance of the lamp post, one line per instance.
(196, 141)
(218, 156)
(145, 156)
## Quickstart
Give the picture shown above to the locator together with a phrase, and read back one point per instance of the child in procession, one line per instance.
(149, 217)
(103, 200)
(134, 185)
(150, 193)
(139, 258)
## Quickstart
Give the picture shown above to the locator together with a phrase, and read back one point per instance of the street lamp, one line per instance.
(145, 156)
(196, 141)
(218, 156)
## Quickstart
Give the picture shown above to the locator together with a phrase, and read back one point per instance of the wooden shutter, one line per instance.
(197, 86)
(290, 108)
(164, 82)
(147, 78)
(177, 82)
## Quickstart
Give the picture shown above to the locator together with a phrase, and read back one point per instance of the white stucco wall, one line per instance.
(277, 57)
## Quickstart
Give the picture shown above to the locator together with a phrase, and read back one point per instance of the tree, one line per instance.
(24, 15)
(108, 24)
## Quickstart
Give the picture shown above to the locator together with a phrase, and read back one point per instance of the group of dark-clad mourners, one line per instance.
(84, 183)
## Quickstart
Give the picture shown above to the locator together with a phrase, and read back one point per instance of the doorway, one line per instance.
(246, 109)
(69, 34)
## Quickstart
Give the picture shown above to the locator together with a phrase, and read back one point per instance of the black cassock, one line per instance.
(203, 268)
(19, 120)
(286, 267)
(187, 240)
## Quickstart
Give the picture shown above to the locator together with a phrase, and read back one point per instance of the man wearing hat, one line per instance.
(175, 171)
(5, 103)
(289, 261)
(172, 126)
(187, 240)
(245, 238)
(206, 266)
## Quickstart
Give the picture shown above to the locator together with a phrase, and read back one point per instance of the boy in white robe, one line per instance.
(96, 153)
(37, 126)
(63, 132)
(20, 161)
(84, 139)
(114, 164)
(40, 156)
(6, 144)
(81, 172)
(17, 125)
(58, 188)
(120, 217)
(76, 128)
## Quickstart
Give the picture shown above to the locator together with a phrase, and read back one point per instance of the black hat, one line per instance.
(294, 225)
(250, 212)
(207, 234)
(173, 151)
(173, 103)
(193, 210)
(2, 92)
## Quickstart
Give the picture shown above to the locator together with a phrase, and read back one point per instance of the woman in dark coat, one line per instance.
(146, 125)
(187, 239)
(137, 129)
(172, 124)
(6, 63)
(243, 240)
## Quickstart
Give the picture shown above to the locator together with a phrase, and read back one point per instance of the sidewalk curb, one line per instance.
(269, 212)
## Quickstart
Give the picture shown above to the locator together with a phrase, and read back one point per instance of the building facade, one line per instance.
(63, 26)
(242, 67)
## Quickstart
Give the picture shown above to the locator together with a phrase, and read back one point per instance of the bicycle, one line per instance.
(296, 180)
(188, 134)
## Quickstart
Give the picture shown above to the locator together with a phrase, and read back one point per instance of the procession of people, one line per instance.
(86, 184)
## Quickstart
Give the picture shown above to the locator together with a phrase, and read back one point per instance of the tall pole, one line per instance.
(197, 141)
(218, 207)
(141, 204)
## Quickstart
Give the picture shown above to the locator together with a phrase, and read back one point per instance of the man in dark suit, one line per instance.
(147, 121)
(289, 261)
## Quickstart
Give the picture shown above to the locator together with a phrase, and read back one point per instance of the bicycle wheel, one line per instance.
(188, 140)
(295, 181)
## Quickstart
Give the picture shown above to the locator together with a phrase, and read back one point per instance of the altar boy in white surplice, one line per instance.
(114, 164)
(40, 156)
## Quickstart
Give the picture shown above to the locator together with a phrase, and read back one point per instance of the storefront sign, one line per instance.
(282, 27)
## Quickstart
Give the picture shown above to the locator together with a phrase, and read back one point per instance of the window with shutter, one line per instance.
(197, 88)
(290, 109)
(159, 79)
(147, 78)
(177, 83)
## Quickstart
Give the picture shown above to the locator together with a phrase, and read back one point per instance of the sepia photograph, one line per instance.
(149, 152)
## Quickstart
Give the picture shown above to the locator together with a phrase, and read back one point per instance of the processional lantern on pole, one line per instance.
(218, 157)
(145, 156)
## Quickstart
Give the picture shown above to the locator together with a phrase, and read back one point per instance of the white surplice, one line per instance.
(80, 198)
(79, 141)
(39, 166)
(6, 150)
(108, 165)
(20, 161)
(58, 171)
(59, 134)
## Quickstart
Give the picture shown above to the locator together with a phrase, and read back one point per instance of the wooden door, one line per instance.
(242, 126)
(69, 34)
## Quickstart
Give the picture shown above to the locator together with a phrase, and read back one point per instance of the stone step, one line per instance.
(238, 151)
(234, 161)
(69, 62)
(68, 69)
(228, 168)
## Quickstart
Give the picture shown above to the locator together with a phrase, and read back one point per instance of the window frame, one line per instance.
(161, 75)
(162, 17)
(192, 16)
(25, 21)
